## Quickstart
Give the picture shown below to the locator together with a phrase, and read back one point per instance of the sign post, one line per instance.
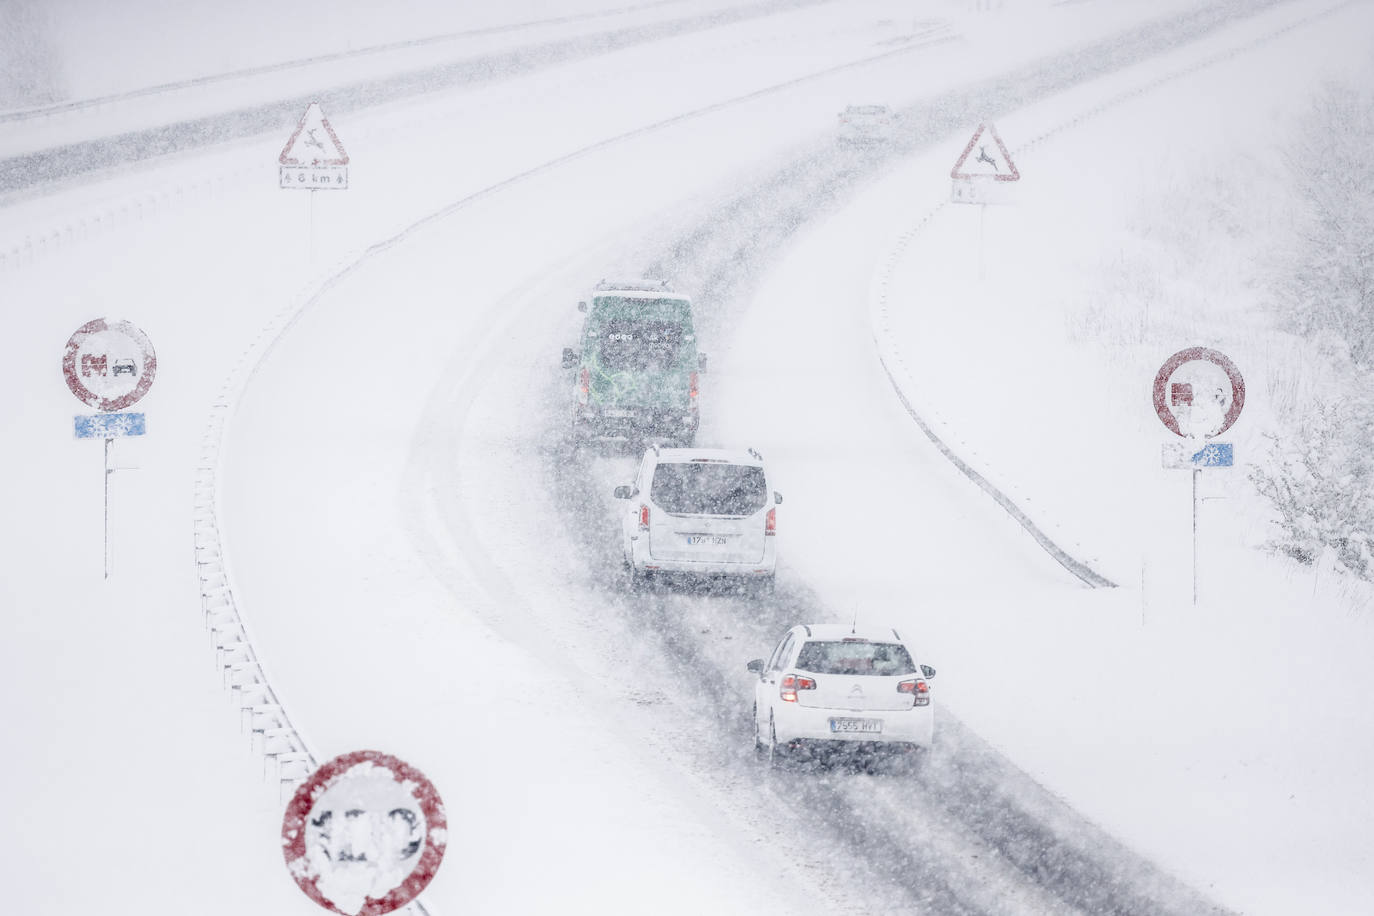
(976, 177)
(109, 366)
(313, 159)
(1198, 394)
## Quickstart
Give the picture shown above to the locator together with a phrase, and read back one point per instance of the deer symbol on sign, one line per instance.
(984, 157)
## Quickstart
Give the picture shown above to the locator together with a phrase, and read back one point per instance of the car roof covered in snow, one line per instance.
(838, 631)
(731, 455)
(637, 289)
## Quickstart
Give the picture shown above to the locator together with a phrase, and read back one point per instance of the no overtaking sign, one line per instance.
(109, 365)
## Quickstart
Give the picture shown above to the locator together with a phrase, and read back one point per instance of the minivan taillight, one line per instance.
(692, 387)
(584, 387)
(770, 523)
(792, 683)
(643, 518)
(919, 690)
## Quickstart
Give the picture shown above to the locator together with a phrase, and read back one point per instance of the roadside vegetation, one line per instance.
(1319, 476)
(1268, 254)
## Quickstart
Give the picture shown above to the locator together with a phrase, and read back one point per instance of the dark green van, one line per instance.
(636, 374)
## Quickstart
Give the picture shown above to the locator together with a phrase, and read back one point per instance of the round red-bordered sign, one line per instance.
(109, 365)
(364, 834)
(1171, 365)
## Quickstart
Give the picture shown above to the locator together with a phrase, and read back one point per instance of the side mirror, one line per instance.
(777, 497)
(756, 666)
(570, 357)
(624, 492)
(928, 671)
(581, 306)
(701, 362)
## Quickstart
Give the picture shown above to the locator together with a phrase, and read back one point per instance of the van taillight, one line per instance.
(643, 518)
(770, 522)
(919, 690)
(692, 386)
(584, 386)
(792, 683)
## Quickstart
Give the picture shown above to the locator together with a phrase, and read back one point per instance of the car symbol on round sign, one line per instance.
(1199, 393)
(109, 364)
(364, 834)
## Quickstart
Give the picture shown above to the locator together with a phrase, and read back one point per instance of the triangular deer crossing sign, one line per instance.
(991, 159)
(314, 142)
(314, 158)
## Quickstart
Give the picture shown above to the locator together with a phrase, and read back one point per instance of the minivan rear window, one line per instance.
(855, 656)
(631, 344)
(709, 488)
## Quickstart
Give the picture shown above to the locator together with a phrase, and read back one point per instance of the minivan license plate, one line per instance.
(712, 539)
(870, 726)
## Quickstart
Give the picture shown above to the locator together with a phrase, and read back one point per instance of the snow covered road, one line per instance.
(525, 541)
(430, 571)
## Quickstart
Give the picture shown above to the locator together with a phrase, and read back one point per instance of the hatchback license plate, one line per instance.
(712, 539)
(870, 726)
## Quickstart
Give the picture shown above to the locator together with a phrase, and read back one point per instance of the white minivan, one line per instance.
(705, 512)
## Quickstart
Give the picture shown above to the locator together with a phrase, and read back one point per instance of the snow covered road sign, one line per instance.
(109, 365)
(314, 158)
(364, 834)
(992, 161)
(1186, 456)
(1198, 392)
(110, 425)
(976, 174)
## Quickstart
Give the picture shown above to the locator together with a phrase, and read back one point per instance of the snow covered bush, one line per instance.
(1320, 475)
(1326, 283)
(1320, 481)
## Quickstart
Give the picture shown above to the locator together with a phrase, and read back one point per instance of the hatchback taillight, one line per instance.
(792, 683)
(643, 518)
(770, 523)
(919, 690)
(584, 386)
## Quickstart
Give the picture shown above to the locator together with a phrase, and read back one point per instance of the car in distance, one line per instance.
(830, 688)
(637, 371)
(701, 512)
(861, 124)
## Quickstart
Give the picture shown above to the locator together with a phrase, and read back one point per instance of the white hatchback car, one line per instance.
(702, 511)
(829, 687)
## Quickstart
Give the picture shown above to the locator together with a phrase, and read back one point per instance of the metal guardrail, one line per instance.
(288, 759)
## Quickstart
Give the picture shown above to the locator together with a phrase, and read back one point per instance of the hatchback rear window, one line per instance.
(709, 488)
(855, 656)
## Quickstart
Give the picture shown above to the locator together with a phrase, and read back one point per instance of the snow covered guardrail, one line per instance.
(288, 758)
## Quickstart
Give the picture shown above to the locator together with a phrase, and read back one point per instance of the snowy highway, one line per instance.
(431, 568)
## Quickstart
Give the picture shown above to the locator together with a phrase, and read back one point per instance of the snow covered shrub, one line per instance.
(1319, 476)
(1325, 286)
(1320, 482)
